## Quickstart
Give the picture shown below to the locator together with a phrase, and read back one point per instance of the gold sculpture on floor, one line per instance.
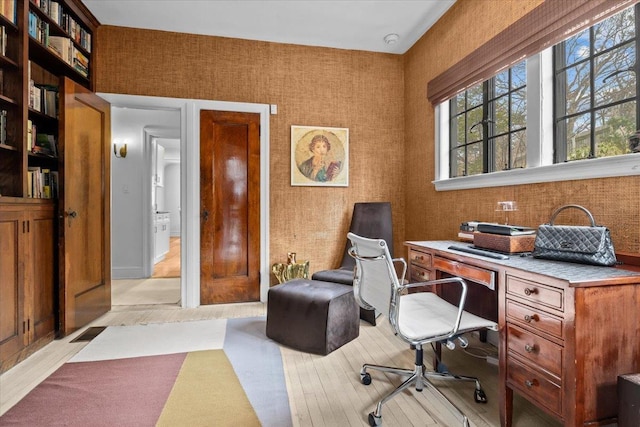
(291, 270)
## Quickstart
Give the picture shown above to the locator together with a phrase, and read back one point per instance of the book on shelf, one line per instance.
(1, 81)
(28, 141)
(54, 184)
(49, 99)
(3, 126)
(3, 40)
(36, 181)
(45, 144)
(505, 229)
(46, 183)
(9, 9)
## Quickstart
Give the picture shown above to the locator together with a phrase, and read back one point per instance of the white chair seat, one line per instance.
(425, 314)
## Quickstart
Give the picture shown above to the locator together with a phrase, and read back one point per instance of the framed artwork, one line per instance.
(319, 156)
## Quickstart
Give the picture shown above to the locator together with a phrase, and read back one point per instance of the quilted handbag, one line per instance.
(581, 244)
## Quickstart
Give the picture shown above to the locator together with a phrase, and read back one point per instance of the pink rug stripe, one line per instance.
(122, 392)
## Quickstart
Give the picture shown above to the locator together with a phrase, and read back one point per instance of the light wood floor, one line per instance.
(323, 390)
(170, 265)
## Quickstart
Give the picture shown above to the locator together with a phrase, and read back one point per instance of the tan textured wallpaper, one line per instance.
(312, 87)
(382, 99)
(614, 202)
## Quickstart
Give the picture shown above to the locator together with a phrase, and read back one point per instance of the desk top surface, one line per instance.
(571, 272)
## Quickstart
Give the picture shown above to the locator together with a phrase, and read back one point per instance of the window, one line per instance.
(566, 113)
(595, 86)
(488, 125)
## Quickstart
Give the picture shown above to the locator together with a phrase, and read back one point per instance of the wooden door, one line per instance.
(12, 333)
(85, 263)
(229, 207)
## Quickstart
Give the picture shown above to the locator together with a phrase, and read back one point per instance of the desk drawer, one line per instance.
(534, 318)
(419, 274)
(535, 349)
(420, 258)
(537, 293)
(467, 272)
(535, 385)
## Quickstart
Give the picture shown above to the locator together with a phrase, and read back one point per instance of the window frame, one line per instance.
(540, 156)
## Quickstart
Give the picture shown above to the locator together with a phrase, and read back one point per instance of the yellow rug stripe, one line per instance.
(207, 392)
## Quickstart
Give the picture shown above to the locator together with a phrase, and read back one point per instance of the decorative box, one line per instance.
(507, 244)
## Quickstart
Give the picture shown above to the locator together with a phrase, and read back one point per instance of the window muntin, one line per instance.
(488, 125)
(595, 90)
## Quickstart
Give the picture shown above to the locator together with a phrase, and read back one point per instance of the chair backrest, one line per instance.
(373, 220)
(375, 279)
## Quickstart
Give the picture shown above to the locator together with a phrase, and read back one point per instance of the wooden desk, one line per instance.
(566, 330)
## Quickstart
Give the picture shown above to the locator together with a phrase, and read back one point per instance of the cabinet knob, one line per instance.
(530, 383)
(529, 318)
(529, 348)
(528, 291)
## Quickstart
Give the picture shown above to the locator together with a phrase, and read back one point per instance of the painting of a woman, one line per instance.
(317, 167)
(319, 156)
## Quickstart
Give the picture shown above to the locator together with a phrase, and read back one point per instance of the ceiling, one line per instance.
(343, 24)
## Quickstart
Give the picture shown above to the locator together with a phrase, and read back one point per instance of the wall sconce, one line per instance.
(122, 151)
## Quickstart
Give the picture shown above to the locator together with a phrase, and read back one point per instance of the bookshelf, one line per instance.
(44, 43)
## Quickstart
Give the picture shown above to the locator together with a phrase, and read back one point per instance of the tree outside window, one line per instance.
(595, 90)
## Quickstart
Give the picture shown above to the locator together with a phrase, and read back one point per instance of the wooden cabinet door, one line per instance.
(42, 261)
(12, 333)
(84, 210)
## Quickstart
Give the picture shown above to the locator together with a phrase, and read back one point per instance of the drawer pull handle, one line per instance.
(529, 292)
(530, 317)
(530, 383)
(529, 348)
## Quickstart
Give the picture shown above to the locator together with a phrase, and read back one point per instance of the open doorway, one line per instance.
(146, 214)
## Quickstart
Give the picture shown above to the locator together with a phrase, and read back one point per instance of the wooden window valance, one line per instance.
(546, 25)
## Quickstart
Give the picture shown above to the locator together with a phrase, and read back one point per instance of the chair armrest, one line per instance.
(402, 261)
(461, 302)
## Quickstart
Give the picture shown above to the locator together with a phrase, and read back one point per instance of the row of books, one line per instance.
(40, 143)
(55, 11)
(43, 98)
(42, 183)
(9, 10)
(65, 49)
(38, 29)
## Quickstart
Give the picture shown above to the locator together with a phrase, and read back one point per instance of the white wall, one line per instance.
(172, 195)
(127, 180)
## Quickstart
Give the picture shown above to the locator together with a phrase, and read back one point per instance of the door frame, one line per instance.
(190, 181)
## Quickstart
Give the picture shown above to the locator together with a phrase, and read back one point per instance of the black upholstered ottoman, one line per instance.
(312, 316)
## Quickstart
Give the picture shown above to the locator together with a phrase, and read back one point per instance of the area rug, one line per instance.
(222, 372)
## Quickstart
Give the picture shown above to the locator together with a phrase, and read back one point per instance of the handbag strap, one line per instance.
(583, 209)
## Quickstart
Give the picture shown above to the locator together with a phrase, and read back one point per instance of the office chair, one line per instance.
(369, 219)
(418, 318)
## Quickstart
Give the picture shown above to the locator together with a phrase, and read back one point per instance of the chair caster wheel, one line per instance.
(374, 421)
(479, 396)
(365, 378)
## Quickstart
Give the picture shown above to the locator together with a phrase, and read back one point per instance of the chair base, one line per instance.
(421, 378)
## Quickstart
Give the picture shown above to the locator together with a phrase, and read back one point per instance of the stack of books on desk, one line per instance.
(504, 238)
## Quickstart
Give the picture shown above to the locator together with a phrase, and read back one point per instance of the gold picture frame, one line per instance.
(319, 156)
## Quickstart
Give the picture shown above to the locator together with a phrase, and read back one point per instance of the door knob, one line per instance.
(70, 215)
